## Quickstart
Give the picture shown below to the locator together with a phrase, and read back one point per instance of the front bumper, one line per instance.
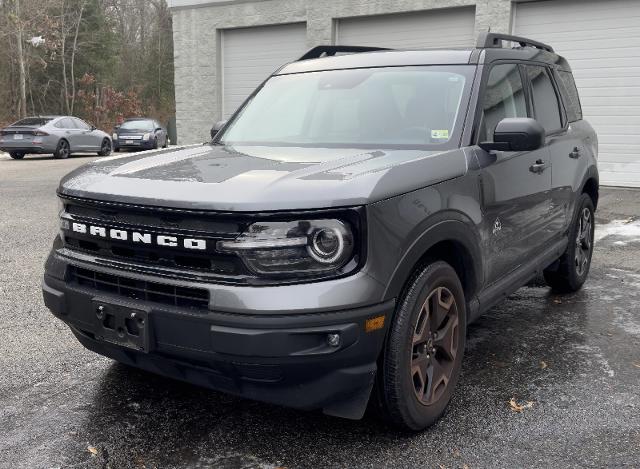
(282, 357)
(124, 144)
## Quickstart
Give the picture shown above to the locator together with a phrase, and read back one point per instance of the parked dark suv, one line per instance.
(332, 242)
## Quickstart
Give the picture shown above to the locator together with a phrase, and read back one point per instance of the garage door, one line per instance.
(601, 40)
(249, 55)
(453, 27)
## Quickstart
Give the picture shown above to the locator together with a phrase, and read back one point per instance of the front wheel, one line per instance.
(422, 358)
(570, 272)
(16, 155)
(105, 148)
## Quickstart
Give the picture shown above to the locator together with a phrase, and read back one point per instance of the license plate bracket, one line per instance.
(122, 325)
(18, 136)
(128, 142)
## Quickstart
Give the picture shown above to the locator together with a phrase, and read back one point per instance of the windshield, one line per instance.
(394, 107)
(137, 125)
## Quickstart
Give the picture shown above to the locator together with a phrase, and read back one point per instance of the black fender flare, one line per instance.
(450, 226)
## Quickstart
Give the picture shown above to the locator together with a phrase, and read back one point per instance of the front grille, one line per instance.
(202, 265)
(140, 289)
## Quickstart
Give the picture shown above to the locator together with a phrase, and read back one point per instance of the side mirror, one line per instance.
(93, 127)
(516, 134)
(216, 128)
(116, 127)
(158, 129)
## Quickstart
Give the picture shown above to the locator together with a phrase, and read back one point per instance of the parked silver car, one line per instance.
(58, 135)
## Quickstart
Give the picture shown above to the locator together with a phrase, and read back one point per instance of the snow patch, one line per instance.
(627, 229)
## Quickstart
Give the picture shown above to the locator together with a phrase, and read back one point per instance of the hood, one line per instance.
(260, 178)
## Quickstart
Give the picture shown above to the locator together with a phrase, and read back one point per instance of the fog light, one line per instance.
(333, 340)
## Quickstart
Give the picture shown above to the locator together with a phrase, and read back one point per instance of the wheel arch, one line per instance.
(453, 241)
(591, 185)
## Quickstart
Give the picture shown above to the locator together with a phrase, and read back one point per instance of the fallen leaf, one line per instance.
(92, 450)
(518, 407)
(543, 364)
(636, 364)
(557, 300)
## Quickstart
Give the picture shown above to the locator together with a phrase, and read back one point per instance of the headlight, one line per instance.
(114, 136)
(146, 137)
(299, 248)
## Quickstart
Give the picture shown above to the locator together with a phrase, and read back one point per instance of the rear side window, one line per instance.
(570, 96)
(503, 97)
(67, 123)
(545, 100)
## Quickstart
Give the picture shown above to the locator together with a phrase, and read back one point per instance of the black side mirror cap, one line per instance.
(216, 128)
(516, 134)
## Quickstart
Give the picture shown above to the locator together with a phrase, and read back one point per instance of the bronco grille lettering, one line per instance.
(139, 237)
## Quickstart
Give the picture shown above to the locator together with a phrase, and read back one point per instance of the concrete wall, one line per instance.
(196, 32)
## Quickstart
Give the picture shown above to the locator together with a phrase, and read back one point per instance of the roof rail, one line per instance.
(494, 40)
(319, 51)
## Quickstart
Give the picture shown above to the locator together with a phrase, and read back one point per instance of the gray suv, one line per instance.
(328, 248)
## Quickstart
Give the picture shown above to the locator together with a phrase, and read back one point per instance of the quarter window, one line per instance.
(545, 100)
(503, 97)
(570, 97)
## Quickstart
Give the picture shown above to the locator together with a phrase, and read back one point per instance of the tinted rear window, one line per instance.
(33, 121)
(570, 96)
(545, 101)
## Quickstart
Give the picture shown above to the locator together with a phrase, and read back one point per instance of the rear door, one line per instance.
(88, 140)
(515, 197)
(70, 132)
(565, 143)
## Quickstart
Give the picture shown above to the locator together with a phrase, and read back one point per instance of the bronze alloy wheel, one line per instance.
(583, 241)
(435, 346)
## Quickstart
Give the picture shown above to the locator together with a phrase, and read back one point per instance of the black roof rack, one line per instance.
(494, 40)
(319, 51)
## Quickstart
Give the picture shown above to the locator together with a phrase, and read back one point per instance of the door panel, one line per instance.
(515, 198)
(71, 133)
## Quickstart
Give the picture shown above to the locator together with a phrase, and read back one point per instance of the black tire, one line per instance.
(166, 142)
(406, 394)
(570, 272)
(63, 151)
(16, 155)
(105, 148)
(155, 143)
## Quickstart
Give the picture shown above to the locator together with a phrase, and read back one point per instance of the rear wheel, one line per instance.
(16, 155)
(62, 150)
(105, 148)
(155, 143)
(571, 270)
(423, 354)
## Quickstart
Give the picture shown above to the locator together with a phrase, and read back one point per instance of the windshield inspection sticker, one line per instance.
(440, 134)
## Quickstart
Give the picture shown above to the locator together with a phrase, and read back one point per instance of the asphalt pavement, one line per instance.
(570, 365)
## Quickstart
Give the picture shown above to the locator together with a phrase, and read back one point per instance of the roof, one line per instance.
(381, 58)
(489, 48)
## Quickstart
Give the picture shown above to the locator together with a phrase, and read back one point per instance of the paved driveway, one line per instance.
(575, 358)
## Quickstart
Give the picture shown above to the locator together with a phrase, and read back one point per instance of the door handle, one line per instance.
(538, 167)
(575, 153)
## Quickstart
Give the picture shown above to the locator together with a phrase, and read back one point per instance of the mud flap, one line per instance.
(355, 404)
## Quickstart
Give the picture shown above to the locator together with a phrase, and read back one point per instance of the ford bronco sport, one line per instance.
(329, 246)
